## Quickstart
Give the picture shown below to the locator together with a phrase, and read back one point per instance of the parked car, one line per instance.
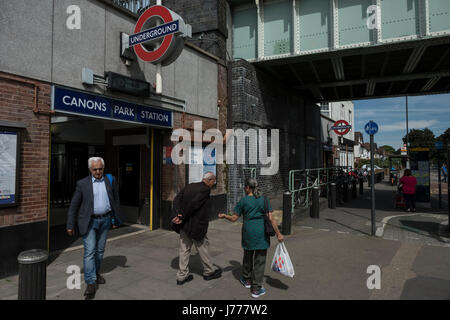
(367, 166)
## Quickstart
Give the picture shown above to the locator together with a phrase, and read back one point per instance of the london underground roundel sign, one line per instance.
(341, 127)
(159, 35)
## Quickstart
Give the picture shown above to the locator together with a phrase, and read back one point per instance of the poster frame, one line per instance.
(17, 131)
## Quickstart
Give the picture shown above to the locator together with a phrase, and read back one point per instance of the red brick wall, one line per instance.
(17, 102)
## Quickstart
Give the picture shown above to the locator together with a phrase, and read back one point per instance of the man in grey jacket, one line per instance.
(93, 203)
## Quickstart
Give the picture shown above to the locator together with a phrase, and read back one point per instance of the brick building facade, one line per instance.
(259, 101)
(25, 105)
(55, 146)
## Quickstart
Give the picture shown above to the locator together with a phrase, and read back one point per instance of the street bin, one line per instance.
(32, 274)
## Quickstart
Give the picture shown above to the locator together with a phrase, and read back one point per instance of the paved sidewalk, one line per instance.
(427, 225)
(328, 265)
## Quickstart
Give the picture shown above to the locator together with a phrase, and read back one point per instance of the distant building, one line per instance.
(343, 150)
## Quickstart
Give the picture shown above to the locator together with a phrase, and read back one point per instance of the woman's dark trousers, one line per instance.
(253, 267)
(410, 200)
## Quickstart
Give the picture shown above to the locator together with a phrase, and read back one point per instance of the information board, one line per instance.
(420, 168)
(9, 158)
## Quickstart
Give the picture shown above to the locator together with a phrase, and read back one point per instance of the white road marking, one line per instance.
(380, 230)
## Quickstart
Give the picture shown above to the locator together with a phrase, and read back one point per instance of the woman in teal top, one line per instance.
(254, 240)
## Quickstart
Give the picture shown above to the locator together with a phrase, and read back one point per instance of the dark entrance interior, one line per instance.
(122, 146)
(129, 175)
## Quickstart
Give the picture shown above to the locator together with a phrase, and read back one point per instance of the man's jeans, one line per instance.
(94, 247)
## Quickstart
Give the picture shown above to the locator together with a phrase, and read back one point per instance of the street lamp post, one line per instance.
(407, 141)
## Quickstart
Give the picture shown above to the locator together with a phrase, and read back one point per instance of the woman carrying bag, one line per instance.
(255, 241)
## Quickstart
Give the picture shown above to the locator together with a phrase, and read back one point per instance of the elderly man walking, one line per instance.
(193, 216)
(94, 202)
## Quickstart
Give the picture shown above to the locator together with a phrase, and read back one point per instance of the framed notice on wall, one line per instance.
(200, 163)
(9, 165)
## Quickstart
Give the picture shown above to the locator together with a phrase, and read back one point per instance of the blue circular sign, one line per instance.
(371, 128)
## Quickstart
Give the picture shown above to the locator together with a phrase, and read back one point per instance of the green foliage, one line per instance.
(425, 138)
(388, 148)
(420, 138)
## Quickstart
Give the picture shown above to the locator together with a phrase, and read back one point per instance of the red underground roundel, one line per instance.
(166, 16)
(341, 127)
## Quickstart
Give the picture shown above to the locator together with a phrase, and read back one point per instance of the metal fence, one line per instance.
(302, 181)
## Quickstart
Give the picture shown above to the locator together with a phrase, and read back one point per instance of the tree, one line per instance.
(420, 138)
(441, 155)
(388, 149)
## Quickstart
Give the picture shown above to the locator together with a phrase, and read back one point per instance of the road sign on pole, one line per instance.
(371, 128)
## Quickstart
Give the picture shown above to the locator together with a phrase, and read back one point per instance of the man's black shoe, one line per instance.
(216, 274)
(189, 278)
(100, 279)
(90, 290)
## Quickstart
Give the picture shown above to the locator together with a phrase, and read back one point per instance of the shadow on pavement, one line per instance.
(431, 288)
(236, 269)
(112, 262)
(275, 283)
(348, 227)
(432, 228)
(195, 264)
(59, 240)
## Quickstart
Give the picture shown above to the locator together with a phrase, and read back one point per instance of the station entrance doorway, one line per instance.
(128, 154)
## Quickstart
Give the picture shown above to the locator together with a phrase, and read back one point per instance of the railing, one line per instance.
(302, 181)
(252, 172)
(132, 5)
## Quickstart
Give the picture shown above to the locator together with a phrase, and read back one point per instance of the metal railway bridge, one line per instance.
(333, 50)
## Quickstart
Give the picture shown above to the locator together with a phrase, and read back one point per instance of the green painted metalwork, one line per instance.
(245, 33)
(252, 172)
(278, 28)
(302, 181)
(314, 25)
(439, 11)
(352, 17)
(400, 18)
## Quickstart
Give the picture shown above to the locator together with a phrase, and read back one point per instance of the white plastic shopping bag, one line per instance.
(282, 262)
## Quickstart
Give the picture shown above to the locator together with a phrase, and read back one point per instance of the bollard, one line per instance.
(354, 192)
(286, 224)
(345, 192)
(361, 186)
(332, 194)
(314, 210)
(32, 274)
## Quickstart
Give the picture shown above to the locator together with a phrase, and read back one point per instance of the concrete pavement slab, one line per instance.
(328, 265)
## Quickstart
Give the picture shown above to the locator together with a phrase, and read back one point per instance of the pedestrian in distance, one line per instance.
(408, 184)
(444, 172)
(255, 241)
(94, 203)
(193, 221)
